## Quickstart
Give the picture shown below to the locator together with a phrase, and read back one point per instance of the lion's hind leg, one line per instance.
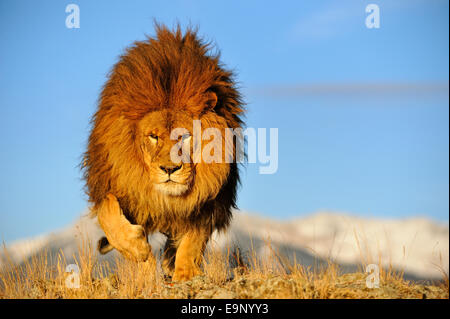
(168, 257)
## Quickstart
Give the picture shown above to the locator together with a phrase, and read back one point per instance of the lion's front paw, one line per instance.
(133, 244)
(186, 273)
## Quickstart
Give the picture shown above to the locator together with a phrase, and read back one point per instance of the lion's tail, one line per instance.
(104, 246)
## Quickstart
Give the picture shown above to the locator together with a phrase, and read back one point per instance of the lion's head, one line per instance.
(146, 117)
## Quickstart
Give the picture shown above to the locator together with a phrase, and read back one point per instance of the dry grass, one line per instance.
(229, 274)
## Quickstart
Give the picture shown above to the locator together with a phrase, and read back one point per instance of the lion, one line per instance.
(134, 186)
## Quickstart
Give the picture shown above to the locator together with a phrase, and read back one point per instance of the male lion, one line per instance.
(134, 186)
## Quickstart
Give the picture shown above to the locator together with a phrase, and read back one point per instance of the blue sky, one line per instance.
(363, 114)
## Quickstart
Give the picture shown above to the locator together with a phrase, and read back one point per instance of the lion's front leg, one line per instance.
(130, 240)
(190, 255)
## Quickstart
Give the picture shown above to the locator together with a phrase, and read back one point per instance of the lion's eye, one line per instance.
(153, 138)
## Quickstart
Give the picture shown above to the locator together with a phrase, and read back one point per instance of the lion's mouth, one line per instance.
(170, 181)
(171, 187)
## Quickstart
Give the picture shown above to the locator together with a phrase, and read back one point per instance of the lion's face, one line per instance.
(155, 129)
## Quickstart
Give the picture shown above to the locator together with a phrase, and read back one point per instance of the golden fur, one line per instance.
(160, 84)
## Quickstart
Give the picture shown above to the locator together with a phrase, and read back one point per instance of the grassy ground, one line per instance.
(274, 277)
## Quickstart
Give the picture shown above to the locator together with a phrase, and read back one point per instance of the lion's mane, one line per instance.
(164, 72)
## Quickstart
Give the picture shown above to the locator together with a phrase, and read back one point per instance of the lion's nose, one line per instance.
(169, 169)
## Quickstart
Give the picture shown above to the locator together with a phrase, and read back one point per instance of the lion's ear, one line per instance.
(211, 100)
(202, 103)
